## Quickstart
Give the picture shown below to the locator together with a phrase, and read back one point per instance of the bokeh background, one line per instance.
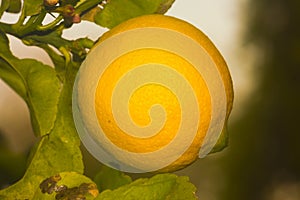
(260, 40)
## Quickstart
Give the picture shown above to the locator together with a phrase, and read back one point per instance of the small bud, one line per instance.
(50, 2)
(68, 11)
(76, 18)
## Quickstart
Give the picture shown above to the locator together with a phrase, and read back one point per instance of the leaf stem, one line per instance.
(66, 54)
(83, 6)
(50, 25)
(21, 18)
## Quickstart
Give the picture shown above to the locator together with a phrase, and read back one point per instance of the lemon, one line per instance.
(154, 94)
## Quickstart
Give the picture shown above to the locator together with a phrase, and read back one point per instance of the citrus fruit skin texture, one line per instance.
(145, 97)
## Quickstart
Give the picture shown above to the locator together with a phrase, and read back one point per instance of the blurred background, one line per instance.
(260, 40)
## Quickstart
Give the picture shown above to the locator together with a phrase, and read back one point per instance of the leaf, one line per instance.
(12, 165)
(117, 11)
(77, 47)
(43, 93)
(159, 187)
(33, 7)
(58, 60)
(84, 5)
(8, 74)
(109, 178)
(65, 185)
(66, 2)
(14, 6)
(36, 83)
(164, 6)
(4, 6)
(90, 15)
(222, 141)
(56, 152)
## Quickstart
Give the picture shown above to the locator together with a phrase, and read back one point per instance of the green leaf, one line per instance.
(85, 5)
(56, 152)
(4, 6)
(77, 47)
(66, 185)
(42, 93)
(164, 6)
(36, 83)
(90, 15)
(71, 2)
(9, 75)
(12, 165)
(14, 6)
(33, 7)
(222, 141)
(159, 187)
(58, 60)
(117, 11)
(109, 178)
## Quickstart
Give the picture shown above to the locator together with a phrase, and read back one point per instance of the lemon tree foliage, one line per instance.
(67, 185)
(111, 179)
(159, 187)
(109, 18)
(23, 75)
(55, 167)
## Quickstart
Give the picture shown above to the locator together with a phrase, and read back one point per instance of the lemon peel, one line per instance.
(153, 94)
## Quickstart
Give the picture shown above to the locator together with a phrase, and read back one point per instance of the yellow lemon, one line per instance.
(154, 94)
